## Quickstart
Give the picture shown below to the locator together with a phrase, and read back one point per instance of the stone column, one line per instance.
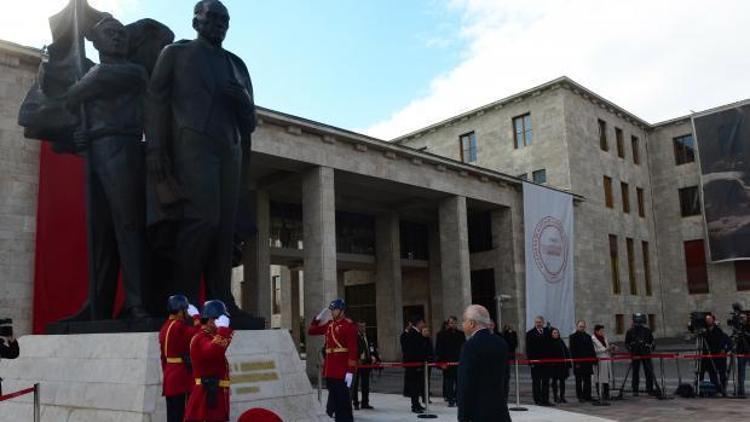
(319, 235)
(256, 294)
(295, 320)
(388, 285)
(454, 255)
(436, 286)
(504, 250)
(290, 317)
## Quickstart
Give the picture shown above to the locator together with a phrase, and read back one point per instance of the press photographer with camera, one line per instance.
(8, 343)
(640, 342)
(738, 320)
(716, 342)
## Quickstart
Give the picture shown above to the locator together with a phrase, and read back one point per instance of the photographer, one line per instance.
(640, 342)
(8, 344)
(716, 342)
(742, 347)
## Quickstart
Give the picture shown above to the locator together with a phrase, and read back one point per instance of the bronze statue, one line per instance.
(99, 109)
(200, 116)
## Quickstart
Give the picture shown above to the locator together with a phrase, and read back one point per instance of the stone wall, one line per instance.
(19, 173)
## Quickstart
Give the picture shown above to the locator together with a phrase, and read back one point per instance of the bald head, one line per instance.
(476, 317)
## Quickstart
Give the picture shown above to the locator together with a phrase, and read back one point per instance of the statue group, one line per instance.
(164, 128)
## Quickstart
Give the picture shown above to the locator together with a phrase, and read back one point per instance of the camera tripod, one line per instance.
(700, 345)
(660, 393)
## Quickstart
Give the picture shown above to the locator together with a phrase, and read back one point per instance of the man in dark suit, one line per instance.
(368, 355)
(582, 347)
(414, 351)
(448, 349)
(200, 117)
(538, 343)
(481, 371)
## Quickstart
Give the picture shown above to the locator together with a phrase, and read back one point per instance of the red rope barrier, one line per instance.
(17, 393)
(622, 357)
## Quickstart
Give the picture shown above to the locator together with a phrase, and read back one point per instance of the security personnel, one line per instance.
(340, 358)
(174, 339)
(209, 400)
(640, 342)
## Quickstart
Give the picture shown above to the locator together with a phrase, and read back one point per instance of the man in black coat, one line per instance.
(582, 347)
(640, 342)
(538, 345)
(448, 349)
(511, 338)
(8, 350)
(481, 371)
(368, 355)
(200, 116)
(414, 350)
(715, 342)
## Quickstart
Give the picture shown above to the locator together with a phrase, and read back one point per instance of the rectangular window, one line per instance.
(636, 151)
(652, 322)
(614, 264)
(276, 283)
(625, 197)
(608, 192)
(641, 202)
(695, 267)
(631, 266)
(619, 324)
(468, 147)
(522, 134)
(539, 176)
(742, 274)
(603, 135)
(684, 149)
(620, 142)
(689, 204)
(646, 267)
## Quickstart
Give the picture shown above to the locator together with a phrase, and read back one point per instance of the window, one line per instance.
(539, 176)
(276, 284)
(625, 197)
(620, 143)
(468, 147)
(608, 192)
(695, 267)
(614, 264)
(603, 135)
(480, 231)
(684, 149)
(742, 274)
(689, 204)
(636, 151)
(646, 267)
(631, 267)
(652, 322)
(641, 205)
(522, 135)
(524, 176)
(619, 324)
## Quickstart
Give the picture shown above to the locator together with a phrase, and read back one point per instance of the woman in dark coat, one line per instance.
(559, 371)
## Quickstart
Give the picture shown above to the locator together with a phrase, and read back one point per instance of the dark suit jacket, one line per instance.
(581, 346)
(481, 379)
(414, 349)
(9, 351)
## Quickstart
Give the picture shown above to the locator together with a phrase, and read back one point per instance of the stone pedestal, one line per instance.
(117, 377)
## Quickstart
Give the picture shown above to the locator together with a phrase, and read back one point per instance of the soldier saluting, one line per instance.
(209, 400)
(340, 359)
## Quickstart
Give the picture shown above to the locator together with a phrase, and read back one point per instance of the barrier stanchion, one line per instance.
(663, 395)
(427, 414)
(518, 407)
(37, 413)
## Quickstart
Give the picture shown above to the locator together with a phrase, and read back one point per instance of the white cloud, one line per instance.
(26, 22)
(657, 59)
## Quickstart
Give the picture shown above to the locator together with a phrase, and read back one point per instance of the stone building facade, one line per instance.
(630, 234)
(19, 172)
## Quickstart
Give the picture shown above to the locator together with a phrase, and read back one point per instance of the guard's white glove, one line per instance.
(222, 321)
(348, 378)
(192, 310)
(324, 316)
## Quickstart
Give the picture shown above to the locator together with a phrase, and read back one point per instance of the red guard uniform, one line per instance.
(340, 346)
(208, 356)
(174, 338)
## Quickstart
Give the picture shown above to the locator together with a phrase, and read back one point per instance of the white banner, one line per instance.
(548, 222)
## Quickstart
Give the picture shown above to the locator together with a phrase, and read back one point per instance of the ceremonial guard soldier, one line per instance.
(174, 339)
(209, 400)
(340, 358)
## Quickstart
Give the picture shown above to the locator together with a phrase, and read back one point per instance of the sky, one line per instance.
(389, 67)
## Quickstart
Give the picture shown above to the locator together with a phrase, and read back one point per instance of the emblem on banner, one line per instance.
(550, 248)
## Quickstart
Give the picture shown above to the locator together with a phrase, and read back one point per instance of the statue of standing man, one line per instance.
(200, 116)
